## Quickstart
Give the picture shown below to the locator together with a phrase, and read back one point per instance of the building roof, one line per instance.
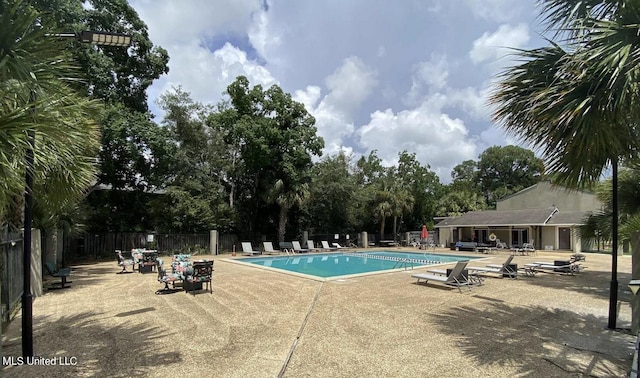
(528, 217)
(569, 218)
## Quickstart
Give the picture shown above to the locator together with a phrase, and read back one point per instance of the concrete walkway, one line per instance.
(260, 323)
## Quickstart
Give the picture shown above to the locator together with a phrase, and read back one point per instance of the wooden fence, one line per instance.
(98, 245)
(12, 273)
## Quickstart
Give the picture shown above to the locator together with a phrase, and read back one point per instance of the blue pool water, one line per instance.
(328, 265)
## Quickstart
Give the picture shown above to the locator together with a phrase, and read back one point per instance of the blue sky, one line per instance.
(378, 75)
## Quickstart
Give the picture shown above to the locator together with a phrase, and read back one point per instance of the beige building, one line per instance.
(543, 214)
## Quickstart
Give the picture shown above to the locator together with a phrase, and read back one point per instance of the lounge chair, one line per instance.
(248, 250)
(325, 245)
(268, 249)
(311, 246)
(504, 270)
(297, 248)
(61, 273)
(338, 246)
(455, 278)
(557, 266)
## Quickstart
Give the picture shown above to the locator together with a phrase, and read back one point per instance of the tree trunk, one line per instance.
(635, 275)
(282, 223)
(382, 227)
(395, 228)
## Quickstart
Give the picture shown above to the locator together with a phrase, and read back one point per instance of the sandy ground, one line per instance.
(260, 323)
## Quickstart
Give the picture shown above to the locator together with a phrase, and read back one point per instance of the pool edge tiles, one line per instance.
(375, 262)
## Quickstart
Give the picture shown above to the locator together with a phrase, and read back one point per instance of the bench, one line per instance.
(286, 246)
(61, 273)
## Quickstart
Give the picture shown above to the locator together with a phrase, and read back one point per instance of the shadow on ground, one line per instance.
(595, 283)
(125, 348)
(544, 350)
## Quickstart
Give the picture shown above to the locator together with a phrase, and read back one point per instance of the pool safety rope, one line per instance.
(304, 324)
(392, 258)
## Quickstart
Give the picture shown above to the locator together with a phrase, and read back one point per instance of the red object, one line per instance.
(425, 233)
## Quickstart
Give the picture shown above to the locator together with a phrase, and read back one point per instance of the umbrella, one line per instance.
(424, 234)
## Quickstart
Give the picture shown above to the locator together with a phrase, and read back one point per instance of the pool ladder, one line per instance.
(403, 263)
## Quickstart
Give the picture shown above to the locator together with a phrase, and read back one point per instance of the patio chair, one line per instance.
(455, 278)
(504, 270)
(201, 274)
(297, 248)
(268, 249)
(501, 244)
(528, 248)
(123, 261)
(577, 257)
(325, 245)
(148, 262)
(61, 273)
(166, 278)
(248, 250)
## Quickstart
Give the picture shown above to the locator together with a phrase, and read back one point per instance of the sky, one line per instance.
(378, 75)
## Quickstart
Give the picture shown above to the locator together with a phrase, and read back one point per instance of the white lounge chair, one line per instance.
(566, 267)
(504, 269)
(455, 278)
(338, 246)
(325, 245)
(311, 246)
(268, 249)
(297, 248)
(247, 249)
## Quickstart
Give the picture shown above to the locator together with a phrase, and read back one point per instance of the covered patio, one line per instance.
(546, 229)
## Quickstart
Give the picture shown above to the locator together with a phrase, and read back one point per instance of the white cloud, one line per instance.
(435, 137)
(176, 22)
(428, 77)
(348, 86)
(495, 10)
(263, 38)
(495, 46)
(209, 73)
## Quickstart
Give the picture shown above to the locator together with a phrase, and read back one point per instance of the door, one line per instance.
(564, 238)
(519, 236)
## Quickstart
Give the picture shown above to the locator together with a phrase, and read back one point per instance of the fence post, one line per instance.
(36, 263)
(364, 239)
(213, 242)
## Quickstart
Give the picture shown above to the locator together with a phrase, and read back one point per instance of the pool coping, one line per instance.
(239, 260)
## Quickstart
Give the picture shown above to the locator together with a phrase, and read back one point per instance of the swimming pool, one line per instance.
(331, 265)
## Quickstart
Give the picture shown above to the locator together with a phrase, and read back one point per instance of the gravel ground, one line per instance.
(260, 323)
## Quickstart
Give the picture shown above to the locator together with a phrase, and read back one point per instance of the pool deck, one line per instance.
(261, 323)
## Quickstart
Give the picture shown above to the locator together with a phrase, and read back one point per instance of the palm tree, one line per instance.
(579, 104)
(286, 198)
(40, 102)
(403, 202)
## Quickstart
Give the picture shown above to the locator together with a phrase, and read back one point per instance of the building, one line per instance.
(544, 214)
